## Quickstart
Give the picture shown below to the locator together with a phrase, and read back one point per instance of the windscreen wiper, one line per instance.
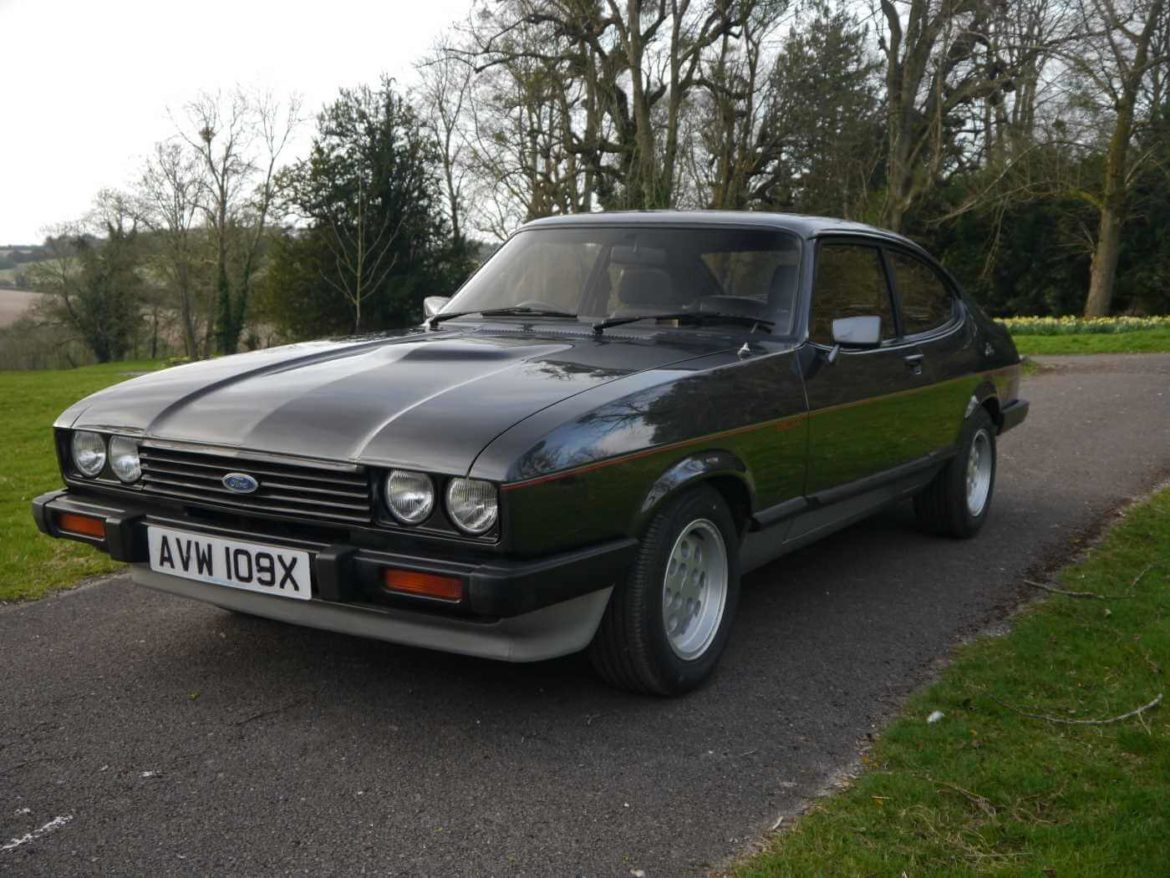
(695, 316)
(521, 310)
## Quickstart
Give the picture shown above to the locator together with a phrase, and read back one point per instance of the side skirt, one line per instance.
(796, 523)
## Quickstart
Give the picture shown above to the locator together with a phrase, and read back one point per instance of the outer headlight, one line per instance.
(89, 452)
(410, 495)
(472, 504)
(124, 459)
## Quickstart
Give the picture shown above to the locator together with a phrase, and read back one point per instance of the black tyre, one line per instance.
(957, 500)
(668, 623)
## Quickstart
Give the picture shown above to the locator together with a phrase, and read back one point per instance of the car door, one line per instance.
(930, 318)
(864, 403)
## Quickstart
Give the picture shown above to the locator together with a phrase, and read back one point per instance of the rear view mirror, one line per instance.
(858, 332)
(432, 305)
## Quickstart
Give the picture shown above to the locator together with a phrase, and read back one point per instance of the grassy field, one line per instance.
(32, 564)
(1142, 341)
(1005, 783)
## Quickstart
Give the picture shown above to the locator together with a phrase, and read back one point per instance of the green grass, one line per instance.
(1138, 342)
(989, 791)
(32, 564)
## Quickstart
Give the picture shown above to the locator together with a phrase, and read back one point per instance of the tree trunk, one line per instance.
(645, 182)
(227, 337)
(1104, 270)
(186, 315)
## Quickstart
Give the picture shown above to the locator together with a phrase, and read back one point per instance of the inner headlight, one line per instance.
(472, 504)
(124, 459)
(410, 495)
(89, 452)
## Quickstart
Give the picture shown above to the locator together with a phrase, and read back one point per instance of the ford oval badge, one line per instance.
(240, 483)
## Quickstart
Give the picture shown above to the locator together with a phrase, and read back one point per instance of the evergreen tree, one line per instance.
(377, 240)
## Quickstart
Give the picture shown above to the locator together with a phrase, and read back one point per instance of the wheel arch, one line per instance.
(987, 397)
(722, 470)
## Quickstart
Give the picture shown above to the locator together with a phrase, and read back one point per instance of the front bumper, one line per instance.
(512, 609)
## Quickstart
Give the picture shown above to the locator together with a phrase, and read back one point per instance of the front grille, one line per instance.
(305, 491)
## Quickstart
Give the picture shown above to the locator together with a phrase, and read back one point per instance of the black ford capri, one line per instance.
(583, 449)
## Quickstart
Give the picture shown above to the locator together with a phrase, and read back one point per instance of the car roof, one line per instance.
(805, 226)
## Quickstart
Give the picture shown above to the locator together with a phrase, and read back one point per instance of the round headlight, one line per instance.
(89, 452)
(124, 459)
(410, 496)
(472, 504)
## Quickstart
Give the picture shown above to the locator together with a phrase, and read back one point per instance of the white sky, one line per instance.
(85, 84)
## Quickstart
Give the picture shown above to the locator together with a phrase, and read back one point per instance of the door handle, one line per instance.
(914, 362)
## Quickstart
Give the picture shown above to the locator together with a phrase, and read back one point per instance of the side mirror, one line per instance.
(432, 305)
(858, 332)
(855, 332)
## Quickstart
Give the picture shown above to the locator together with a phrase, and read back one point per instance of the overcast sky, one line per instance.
(86, 84)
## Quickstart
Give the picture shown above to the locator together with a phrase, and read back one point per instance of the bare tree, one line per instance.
(937, 64)
(735, 97)
(1118, 62)
(170, 202)
(524, 107)
(803, 132)
(578, 104)
(239, 139)
(444, 100)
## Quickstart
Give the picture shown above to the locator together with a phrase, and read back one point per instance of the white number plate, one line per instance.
(250, 566)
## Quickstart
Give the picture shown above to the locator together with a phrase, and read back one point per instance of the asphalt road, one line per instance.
(140, 733)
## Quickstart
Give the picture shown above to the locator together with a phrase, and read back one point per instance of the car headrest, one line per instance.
(642, 286)
(782, 292)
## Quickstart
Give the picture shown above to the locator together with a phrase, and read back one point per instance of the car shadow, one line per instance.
(777, 601)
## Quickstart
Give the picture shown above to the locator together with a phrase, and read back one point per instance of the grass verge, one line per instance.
(32, 564)
(987, 790)
(1143, 341)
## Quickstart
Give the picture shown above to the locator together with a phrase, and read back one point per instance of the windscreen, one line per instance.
(609, 271)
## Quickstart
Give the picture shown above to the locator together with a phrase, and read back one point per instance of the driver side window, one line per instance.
(850, 282)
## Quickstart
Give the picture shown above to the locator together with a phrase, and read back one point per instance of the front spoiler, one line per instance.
(513, 609)
(550, 632)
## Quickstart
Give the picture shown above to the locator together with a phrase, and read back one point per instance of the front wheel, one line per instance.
(667, 624)
(957, 500)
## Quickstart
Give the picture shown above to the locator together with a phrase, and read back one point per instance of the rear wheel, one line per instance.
(667, 624)
(957, 500)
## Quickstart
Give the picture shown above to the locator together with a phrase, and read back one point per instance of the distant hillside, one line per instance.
(15, 254)
(14, 304)
(15, 260)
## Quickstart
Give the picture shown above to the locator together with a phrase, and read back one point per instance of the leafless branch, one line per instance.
(1138, 711)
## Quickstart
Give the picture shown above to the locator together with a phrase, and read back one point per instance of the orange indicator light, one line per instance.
(85, 525)
(431, 585)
